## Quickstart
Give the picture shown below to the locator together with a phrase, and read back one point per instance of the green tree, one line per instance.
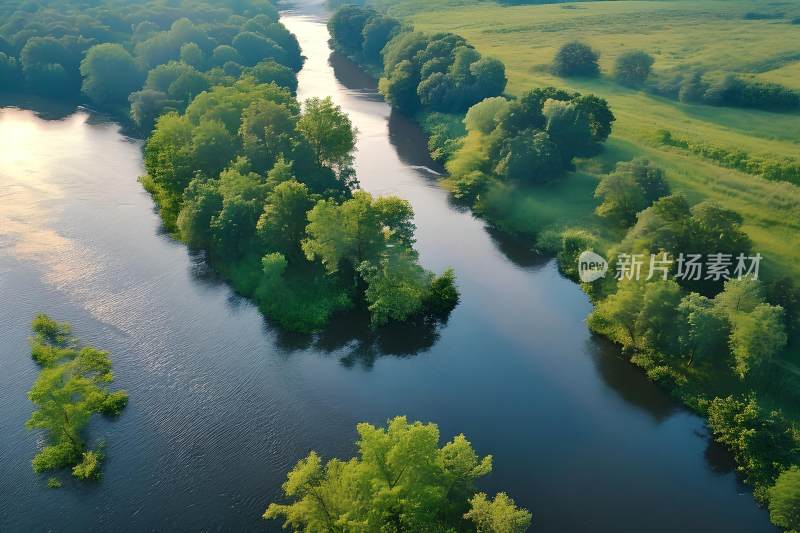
(633, 67)
(399, 87)
(485, 116)
(569, 128)
(397, 286)
(763, 442)
(282, 225)
(347, 27)
(109, 74)
(213, 147)
(489, 75)
(329, 132)
(71, 387)
(616, 316)
(378, 31)
(225, 53)
(193, 55)
(148, 104)
(233, 229)
(272, 72)
(253, 48)
(656, 323)
(530, 157)
(784, 500)
(757, 338)
(401, 480)
(9, 71)
(500, 515)
(201, 201)
(621, 198)
(706, 328)
(351, 231)
(576, 59)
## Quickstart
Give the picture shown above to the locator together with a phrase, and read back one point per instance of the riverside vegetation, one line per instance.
(72, 386)
(237, 166)
(725, 349)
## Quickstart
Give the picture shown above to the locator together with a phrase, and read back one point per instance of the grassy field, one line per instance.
(682, 36)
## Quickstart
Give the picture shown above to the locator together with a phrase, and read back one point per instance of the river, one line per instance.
(222, 404)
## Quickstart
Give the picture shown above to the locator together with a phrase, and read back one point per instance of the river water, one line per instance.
(222, 404)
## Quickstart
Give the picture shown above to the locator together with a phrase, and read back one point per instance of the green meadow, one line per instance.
(716, 36)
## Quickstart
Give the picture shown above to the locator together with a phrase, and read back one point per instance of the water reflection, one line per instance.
(349, 335)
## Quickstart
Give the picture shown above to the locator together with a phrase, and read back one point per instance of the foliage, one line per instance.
(633, 67)
(784, 500)
(763, 442)
(769, 169)
(110, 74)
(400, 480)
(107, 49)
(498, 515)
(267, 189)
(439, 72)
(576, 59)
(632, 187)
(71, 387)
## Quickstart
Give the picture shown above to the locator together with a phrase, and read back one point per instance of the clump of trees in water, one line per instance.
(73, 385)
(401, 480)
(430, 72)
(267, 187)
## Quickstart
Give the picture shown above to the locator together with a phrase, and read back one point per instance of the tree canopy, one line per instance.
(73, 385)
(401, 480)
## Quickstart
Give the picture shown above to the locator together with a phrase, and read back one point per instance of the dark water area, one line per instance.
(222, 404)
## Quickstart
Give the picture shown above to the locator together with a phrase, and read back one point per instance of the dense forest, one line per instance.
(716, 340)
(237, 166)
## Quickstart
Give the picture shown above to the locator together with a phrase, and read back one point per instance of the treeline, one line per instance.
(770, 169)
(430, 72)
(73, 385)
(268, 189)
(633, 68)
(144, 58)
(401, 480)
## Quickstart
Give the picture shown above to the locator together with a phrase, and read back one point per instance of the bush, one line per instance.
(89, 467)
(576, 59)
(633, 68)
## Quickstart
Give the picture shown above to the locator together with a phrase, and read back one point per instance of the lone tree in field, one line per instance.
(632, 68)
(576, 59)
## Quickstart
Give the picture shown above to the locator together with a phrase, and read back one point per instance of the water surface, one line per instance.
(222, 404)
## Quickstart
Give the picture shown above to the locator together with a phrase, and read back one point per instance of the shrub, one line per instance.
(576, 59)
(632, 68)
